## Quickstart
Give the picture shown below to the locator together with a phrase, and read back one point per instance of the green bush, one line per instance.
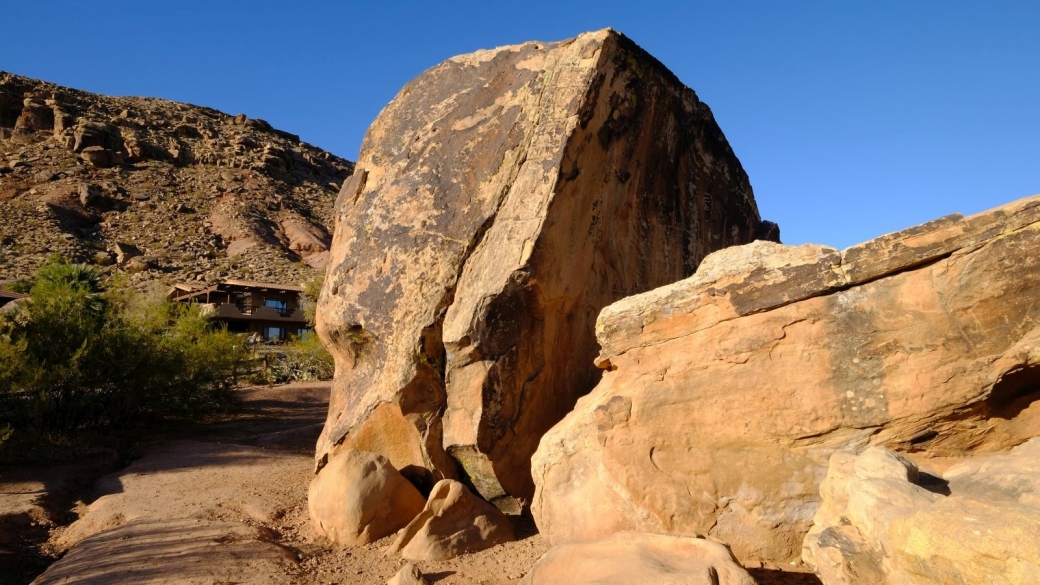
(300, 360)
(303, 358)
(77, 357)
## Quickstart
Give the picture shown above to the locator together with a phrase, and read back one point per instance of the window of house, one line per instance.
(274, 333)
(278, 305)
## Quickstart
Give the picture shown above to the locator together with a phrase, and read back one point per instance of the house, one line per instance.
(272, 311)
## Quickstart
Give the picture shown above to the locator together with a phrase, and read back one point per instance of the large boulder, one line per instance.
(499, 202)
(726, 393)
(454, 522)
(360, 498)
(625, 558)
(877, 525)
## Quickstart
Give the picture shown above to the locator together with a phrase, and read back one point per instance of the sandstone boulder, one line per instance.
(877, 525)
(140, 264)
(500, 201)
(68, 210)
(88, 193)
(36, 116)
(89, 134)
(408, 575)
(361, 498)
(726, 393)
(125, 252)
(454, 522)
(627, 558)
(98, 156)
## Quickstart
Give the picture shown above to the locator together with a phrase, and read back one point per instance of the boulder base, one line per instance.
(454, 522)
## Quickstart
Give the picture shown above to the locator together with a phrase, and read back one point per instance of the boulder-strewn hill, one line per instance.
(163, 190)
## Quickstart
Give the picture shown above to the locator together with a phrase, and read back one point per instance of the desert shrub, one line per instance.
(304, 358)
(301, 359)
(19, 286)
(78, 357)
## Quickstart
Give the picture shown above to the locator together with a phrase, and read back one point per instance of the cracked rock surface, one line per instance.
(884, 524)
(500, 201)
(726, 393)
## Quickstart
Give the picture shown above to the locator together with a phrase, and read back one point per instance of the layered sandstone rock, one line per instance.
(454, 522)
(360, 498)
(877, 525)
(727, 392)
(500, 201)
(633, 557)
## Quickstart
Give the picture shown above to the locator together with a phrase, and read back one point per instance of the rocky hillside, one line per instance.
(162, 190)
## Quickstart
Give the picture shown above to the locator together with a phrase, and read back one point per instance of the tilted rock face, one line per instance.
(727, 392)
(500, 201)
(877, 525)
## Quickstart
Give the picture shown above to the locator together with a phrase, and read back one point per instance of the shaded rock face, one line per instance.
(878, 525)
(500, 201)
(454, 522)
(634, 557)
(727, 392)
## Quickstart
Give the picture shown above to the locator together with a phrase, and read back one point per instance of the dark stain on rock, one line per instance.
(616, 411)
(857, 356)
(860, 564)
(764, 289)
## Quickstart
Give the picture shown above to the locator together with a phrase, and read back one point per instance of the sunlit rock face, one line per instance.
(726, 393)
(500, 201)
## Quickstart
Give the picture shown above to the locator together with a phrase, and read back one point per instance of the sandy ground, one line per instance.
(226, 506)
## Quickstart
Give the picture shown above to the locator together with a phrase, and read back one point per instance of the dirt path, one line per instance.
(224, 502)
(227, 505)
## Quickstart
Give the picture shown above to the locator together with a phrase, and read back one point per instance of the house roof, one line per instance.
(185, 290)
(179, 292)
(255, 284)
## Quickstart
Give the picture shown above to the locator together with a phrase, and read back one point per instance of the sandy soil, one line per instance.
(226, 506)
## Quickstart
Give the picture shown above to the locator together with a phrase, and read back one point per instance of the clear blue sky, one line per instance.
(852, 118)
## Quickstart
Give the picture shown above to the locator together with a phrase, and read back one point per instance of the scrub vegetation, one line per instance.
(79, 357)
